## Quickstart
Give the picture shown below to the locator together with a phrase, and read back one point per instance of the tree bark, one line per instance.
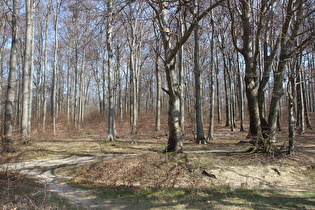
(240, 95)
(158, 91)
(171, 48)
(7, 141)
(198, 83)
(249, 51)
(27, 71)
(291, 96)
(111, 106)
(54, 72)
(211, 79)
(293, 9)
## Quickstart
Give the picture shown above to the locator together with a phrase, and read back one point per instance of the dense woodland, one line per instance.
(217, 61)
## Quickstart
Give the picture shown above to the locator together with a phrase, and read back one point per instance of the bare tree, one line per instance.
(171, 48)
(27, 70)
(54, 71)
(289, 35)
(111, 80)
(198, 82)
(10, 97)
(250, 51)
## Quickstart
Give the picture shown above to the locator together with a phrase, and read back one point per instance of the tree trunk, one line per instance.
(158, 91)
(240, 95)
(44, 97)
(111, 106)
(305, 99)
(218, 94)
(54, 73)
(171, 48)
(133, 101)
(198, 84)
(300, 103)
(291, 95)
(7, 141)
(227, 93)
(175, 141)
(181, 76)
(27, 71)
(286, 44)
(211, 79)
(249, 51)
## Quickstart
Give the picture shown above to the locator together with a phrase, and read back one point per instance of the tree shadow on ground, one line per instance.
(124, 197)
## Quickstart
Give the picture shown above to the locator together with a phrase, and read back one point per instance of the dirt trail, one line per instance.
(43, 170)
(269, 176)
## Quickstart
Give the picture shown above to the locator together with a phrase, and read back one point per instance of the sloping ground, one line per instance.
(154, 170)
(186, 171)
(97, 174)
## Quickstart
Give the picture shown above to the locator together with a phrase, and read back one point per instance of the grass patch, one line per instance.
(221, 197)
(21, 192)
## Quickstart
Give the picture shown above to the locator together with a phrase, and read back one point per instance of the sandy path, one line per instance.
(43, 170)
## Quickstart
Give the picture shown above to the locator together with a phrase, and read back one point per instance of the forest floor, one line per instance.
(85, 172)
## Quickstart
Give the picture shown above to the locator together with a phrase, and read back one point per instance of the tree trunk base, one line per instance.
(8, 145)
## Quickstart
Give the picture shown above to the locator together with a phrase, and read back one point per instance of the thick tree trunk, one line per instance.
(287, 41)
(171, 48)
(251, 78)
(175, 140)
(27, 71)
(268, 61)
(7, 141)
(249, 51)
(277, 93)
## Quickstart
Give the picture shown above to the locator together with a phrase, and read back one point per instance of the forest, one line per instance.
(182, 75)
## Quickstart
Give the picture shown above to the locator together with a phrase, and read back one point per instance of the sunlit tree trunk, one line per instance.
(133, 80)
(300, 100)
(158, 90)
(44, 97)
(181, 76)
(111, 80)
(171, 48)
(54, 70)
(218, 92)
(10, 98)
(2, 44)
(251, 78)
(240, 95)
(249, 50)
(27, 70)
(294, 8)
